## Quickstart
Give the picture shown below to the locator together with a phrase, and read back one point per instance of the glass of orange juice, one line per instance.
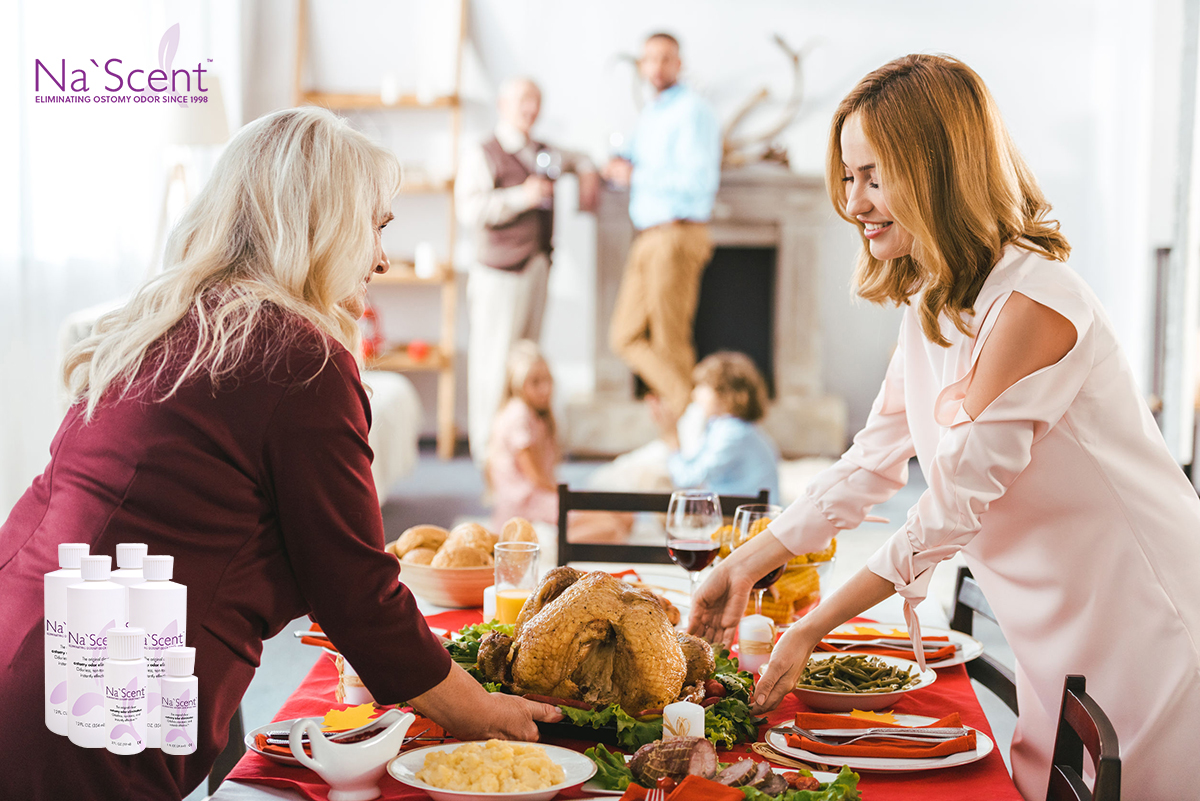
(516, 577)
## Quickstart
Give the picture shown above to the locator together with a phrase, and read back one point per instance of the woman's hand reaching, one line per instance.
(468, 712)
(719, 603)
(780, 676)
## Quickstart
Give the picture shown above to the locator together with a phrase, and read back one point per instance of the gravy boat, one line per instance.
(352, 770)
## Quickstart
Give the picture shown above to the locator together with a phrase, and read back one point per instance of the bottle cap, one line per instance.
(181, 661)
(126, 643)
(158, 568)
(95, 568)
(69, 553)
(129, 554)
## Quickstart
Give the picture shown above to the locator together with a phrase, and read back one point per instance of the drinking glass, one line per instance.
(516, 577)
(748, 520)
(693, 516)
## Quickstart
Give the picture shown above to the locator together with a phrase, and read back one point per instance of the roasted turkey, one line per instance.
(593, 638)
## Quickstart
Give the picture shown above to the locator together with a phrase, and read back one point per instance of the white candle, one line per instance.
(683, 719)
(489, 604)
(756, 639)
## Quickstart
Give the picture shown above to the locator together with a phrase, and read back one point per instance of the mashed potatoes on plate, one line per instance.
(492, 767)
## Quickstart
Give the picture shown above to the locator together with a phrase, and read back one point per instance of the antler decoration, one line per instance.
(738, 151)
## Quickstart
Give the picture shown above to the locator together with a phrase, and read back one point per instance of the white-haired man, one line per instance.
(505, 191)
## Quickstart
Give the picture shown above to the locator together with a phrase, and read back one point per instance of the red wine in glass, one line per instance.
(693, 555)
(769, 579)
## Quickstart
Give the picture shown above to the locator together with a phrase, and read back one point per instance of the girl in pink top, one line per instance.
(1045, 467)
(523, 450)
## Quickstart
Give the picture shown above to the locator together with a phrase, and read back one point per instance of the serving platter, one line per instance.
(578, 768)
(777, 740)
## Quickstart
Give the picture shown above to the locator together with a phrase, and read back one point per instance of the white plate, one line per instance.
(578, 768)
(971, 647)
(983, 747)
(592, 787)
(845, 702)
(279, 725)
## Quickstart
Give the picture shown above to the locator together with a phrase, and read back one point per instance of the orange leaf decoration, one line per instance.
(352, 718)
(878, 717)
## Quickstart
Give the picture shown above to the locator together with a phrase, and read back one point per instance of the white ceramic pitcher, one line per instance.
(352, 770)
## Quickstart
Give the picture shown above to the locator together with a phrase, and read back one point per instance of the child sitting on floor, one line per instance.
(523, 448)
(734, 455)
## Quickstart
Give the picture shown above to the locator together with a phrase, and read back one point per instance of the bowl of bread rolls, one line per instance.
(453, 568)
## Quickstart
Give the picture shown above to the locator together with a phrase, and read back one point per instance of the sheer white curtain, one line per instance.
(80, 188)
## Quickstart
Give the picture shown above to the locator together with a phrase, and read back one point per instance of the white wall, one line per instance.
(1073, 78)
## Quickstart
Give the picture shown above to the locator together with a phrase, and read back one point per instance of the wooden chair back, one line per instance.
(968, 602)
(571, 501)
(1083, 724)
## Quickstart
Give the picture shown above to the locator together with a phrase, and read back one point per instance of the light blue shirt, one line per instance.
(676, 155)
(734, 458)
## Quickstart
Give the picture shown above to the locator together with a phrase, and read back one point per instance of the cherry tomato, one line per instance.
(714, 689)
(665, 783)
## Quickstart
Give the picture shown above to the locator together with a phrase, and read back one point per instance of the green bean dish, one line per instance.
(855, 674)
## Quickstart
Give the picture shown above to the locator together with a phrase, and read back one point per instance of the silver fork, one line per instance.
(912, 735)
(657, 794)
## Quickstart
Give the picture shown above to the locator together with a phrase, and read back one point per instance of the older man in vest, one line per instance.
(505, 191)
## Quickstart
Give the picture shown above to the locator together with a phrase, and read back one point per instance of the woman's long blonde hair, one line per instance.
(522, 358)
(287, 219)
(953, 179)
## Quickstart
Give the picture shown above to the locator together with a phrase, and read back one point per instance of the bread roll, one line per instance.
(518, 529)
(419, 556)
(419, 537)
(463, 556)
(470, 534)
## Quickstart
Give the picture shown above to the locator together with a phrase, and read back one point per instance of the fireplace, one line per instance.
(759, 296)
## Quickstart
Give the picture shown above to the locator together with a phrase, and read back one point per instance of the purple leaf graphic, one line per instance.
(177, 734)
(185, 695)
(132, 685)
(112, 624)
(167, 47)
(59, 694)
(171, 629)
(124, 728)
(86, 703)
(152, 700)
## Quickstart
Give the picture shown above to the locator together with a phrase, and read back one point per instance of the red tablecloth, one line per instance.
(952, 692)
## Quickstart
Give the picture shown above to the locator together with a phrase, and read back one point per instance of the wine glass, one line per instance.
(693, 516)
(748, 520)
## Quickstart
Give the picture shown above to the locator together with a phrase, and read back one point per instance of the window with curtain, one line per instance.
(81, 189)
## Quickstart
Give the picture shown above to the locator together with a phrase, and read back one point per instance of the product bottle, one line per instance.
(93, 607)
(159, 606)
(125, 691)
(179, 702)
(129, 563)
(55, 611)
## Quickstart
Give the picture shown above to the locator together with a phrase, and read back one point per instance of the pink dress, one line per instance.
(514, 494)
(1081, 530)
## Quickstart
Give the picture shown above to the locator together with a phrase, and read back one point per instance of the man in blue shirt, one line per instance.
(673, 169)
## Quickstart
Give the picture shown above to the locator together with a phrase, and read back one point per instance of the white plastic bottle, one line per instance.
(125, 692)
(55, 611)
(93, 607)
(180, 699)
(129, 563)
(159, 606)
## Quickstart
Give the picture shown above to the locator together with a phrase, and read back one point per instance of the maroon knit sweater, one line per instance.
(261, 489)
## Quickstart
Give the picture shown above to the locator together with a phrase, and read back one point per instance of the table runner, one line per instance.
(952, 692)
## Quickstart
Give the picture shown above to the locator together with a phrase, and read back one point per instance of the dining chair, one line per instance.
(1082, 723)
(235, 746)
(571, 501)
(968, 602)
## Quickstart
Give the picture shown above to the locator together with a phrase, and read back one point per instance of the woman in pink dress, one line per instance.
(1044, 465)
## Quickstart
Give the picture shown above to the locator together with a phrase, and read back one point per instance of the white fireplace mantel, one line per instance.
(758, 206)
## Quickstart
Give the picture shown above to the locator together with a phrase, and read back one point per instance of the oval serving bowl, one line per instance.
(451, 587)
(845, 702)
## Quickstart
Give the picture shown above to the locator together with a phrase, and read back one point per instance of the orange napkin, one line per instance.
(692, 788)
(883, 650)
(879, 747)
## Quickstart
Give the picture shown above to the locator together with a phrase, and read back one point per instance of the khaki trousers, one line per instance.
(651, 327)
(503, 307)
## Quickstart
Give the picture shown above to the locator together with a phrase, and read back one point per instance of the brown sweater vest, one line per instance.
(510, 246)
